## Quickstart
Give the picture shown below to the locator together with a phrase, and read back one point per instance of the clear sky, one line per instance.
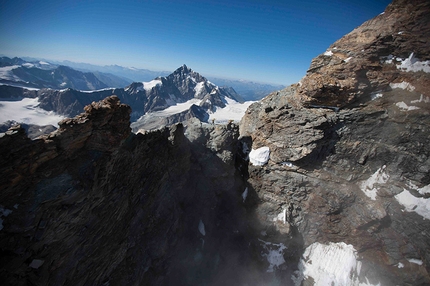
(265, 41)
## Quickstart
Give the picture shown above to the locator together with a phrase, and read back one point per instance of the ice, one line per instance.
(403, 85)
(404, 107)
(245, 194)
(412, 64)
(202, 228)
(274, 254)
(148, 86)
(329, 264)
(369, 187)
(413, 204)
(233, 111)
(260, 156)
(27, 111)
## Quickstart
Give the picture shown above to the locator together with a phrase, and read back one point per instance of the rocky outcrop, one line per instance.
(349, 156)
(371, 57)
(93, 203)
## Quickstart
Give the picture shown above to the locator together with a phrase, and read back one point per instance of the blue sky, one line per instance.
(265, 41)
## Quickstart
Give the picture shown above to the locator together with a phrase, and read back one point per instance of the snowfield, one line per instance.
(27, 111)
(332, 264)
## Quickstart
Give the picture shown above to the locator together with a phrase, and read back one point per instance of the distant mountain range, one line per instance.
(42, 74)
(249, 90)
(162, 101)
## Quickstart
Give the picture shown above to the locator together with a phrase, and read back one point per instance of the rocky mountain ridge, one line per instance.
(316, 186)
(349, 157)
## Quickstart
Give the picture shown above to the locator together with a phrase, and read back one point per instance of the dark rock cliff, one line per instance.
(349, 150)
(94, 204)
(345, 168)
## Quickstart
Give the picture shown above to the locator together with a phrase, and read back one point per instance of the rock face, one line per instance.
(371, 57)
(336, 191)
(93, 203)
(349, 151)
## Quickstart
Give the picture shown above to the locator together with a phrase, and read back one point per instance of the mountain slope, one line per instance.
(341, 160)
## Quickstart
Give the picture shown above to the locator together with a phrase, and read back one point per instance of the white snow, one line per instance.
(374, 96)
(403, 85)
(413, 204)
(400, 265)
(416, 261)
(422, 99)
(21, 85)
(287, 164)
(97, 90)
(233, 111)
(245, 194)
(347, 59)
(151, 84)
(260, 156)
(202, 228)
(26, 110)
(424, 190)
(332, 264)
(414, 65)
(179, 107)
(198, 88)
(282, 216)
(404, 107)
(370, 186)
(6, 73)
(28, 65)
(328, 53)
(43, 63)
(274, 254)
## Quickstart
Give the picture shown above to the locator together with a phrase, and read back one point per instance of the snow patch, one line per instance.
(202, 228)
(404, 107)
(403, 85)
(199, 87)
(328, 53)
(422, 99)
(245, 194)
(347, 59)
(232, 111)
(413, 204)
(332, 264)
(370, 186)
(27, 111)
(414, 65)
(274, 254)
(400, 265)
(148, 86)
(260, 156)
(282, 216)
(7, 73)
(415, 261)
(374, 96)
